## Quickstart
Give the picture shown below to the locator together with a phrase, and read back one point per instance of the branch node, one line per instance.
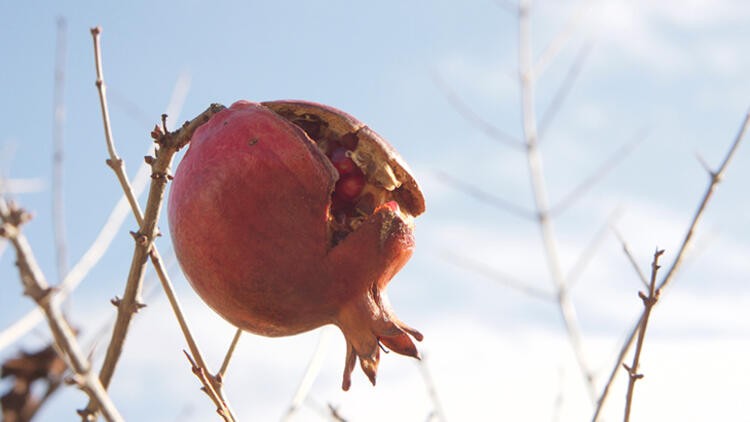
(157, 133)
(140, 238)
(116, 301)
(149, 159)
(113, 163)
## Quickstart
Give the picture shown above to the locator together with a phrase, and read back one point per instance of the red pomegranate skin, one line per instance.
(250, 218)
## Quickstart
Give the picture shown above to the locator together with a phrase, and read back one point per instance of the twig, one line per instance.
(561, 39)
(648, 304)
(58, 205)
(631, 259)
(563, 90)
(472, 117)
(528, 113)
(437, 411)
(507, 280)
(598, 174)
(79, 271)
(114, 161)
(584, 258)
(169, 144)
(715, 178)
(208, 388)
(36, 287)
(312, 371)
(228, 356)
(482, 196)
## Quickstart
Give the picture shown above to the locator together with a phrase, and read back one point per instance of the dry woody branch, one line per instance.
(167, 144)
(36, 287)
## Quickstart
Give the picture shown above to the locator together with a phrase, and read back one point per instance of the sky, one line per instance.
(671, 75)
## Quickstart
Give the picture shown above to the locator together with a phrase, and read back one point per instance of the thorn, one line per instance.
(139, 306)
(157, 133)
(704, 164)
(114, 164)
(116, 301)
(643, 296)
(140, 238)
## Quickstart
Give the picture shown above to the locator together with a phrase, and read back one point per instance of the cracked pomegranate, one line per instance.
(289, 215)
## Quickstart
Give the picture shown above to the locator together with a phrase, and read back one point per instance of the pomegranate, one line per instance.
(289, 215)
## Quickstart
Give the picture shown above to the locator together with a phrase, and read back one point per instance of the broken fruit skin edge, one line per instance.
(262, 237)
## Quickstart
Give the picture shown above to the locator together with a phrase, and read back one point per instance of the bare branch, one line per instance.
(472, 117)
(536, 175)
(228, 356)
(114, 161)
(36, 287)
(714, 179)
(616, 369)
(437, 411)
(584, 259)
(631, 259)
(679, 258)
(312, 371)
(79, 271)
(648, 304)
(482, 196)
(58, 204)
(598, 174)
(168, 143)
(561, 39)
(483, 269)
(564, 89)
(208, 387)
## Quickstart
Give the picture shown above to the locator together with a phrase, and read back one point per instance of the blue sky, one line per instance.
(674, 70)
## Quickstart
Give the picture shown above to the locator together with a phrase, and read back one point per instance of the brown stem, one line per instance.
(648, 304)
(36, 287)
(228, 356)
(212, 385)
(168, 143)
(715, 178)
(114, 161)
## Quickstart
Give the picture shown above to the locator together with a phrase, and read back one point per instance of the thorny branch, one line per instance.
(648, 304)
(168, 143)
(714, 179)
(35, 286)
